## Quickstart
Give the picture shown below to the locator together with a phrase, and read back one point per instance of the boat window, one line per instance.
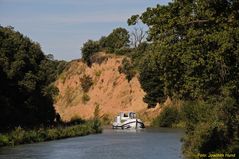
(132, 115)
(125, 115)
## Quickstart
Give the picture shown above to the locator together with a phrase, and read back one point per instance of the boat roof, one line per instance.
(128, 112)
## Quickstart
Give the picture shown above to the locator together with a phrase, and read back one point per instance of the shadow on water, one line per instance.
(149, 143)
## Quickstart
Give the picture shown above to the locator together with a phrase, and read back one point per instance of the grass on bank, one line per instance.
(23, 136)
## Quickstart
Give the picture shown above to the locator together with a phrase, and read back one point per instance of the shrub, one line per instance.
(21, 136)
(106, 119)
(69, 97)
(168, 117)
(85, 98)
(98, 58)
(75, 120)
(195, 112)
(4, 140)
(96, 121)
(98, 73)
(118, 39)
(17, 136)
(31, 136)
(123, 51)
(89, 48)
(211, 127)
(127, 68)
(86, 83)
(52, 134)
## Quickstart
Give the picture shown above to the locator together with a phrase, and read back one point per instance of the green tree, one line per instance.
(89, 48)
(26, 96)
(195, 46)
(151, 81)
(118, 39)
(194, 56)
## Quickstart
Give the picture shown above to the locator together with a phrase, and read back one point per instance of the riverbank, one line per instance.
(23, 136)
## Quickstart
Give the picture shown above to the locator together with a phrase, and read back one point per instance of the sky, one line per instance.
(62, 26)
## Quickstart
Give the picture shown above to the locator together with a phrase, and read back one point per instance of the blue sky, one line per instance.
(62, 26)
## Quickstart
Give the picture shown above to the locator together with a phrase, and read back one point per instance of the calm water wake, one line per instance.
(111, 144)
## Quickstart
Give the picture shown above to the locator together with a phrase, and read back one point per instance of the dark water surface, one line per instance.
(111, 144)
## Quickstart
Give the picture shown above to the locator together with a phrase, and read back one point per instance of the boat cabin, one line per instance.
(127, 115)
(123, 116)
(127, 120)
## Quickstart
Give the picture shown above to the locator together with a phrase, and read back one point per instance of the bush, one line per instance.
(123, 51)
(168, 117)
(98, 73)
(75, 120)
(106, 120)
(86, 83)
(118, 39)
(127, 68)
(52, 134)
(211, 127)
(98, 58)
(88, 50)
(195, 112)
(4, 140)
(85, 98)
(17, 136)
(22, 136)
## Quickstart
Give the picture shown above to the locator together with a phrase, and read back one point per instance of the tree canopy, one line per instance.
(118, 39)
(116, 42)
(195, 47)
(193, 55)
(26, 95)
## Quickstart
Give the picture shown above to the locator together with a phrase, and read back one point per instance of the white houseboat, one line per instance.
(127, 120)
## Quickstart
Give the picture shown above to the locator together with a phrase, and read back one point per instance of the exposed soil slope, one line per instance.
(110, 90)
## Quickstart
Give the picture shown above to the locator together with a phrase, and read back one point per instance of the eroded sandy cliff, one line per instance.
(110, 90)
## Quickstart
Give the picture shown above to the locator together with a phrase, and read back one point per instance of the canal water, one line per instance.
(159, 143)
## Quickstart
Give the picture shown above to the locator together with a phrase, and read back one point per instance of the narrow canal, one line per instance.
(159, 143)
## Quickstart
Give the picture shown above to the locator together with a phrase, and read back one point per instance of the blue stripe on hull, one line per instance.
(127, 125)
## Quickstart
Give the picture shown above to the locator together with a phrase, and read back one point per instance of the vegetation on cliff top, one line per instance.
(115, 42)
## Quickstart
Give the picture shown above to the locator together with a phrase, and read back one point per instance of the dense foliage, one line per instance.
(89, 48)
(194, 56)
(195, 48)
(211, 127)
(127, 68)
(116, 42)
(168, 116)
(26, 74)
(118, 39)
